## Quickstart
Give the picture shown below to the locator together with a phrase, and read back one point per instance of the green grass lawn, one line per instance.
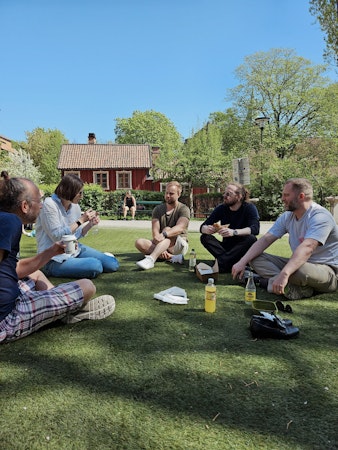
(161, 376)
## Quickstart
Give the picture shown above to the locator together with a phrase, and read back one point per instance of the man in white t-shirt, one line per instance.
(313, 238)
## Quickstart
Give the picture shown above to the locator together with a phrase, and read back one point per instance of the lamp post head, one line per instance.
(262, 121)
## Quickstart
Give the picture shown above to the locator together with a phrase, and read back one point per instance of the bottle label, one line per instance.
(250, 296)
(211, 296)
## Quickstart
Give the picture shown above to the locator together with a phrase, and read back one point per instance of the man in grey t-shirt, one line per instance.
(169, 225)
(313, 238)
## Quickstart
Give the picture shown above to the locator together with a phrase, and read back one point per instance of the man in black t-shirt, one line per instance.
(238, 228)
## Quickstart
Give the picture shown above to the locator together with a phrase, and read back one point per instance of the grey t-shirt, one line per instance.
(317, 223)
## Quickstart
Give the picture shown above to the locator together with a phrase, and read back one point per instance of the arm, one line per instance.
(255, 250)
(299, 257)
(229, 232)
(207, 226)
(134, 201)
(54, 222)
(26, 266)
(181, 226)
(92, 219)
(247, 223)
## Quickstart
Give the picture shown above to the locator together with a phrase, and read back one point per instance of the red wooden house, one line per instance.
(112, 166)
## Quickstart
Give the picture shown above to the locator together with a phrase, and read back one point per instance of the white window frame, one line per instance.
(130, 179)
(101, 172)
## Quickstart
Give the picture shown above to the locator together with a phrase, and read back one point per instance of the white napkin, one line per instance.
(173, 295)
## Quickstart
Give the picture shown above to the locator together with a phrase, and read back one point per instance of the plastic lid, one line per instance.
(210, 280)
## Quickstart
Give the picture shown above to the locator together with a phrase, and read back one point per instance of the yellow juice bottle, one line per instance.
(210, 296)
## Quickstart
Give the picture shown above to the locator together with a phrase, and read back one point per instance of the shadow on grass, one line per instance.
(189, 364)
(182, 363)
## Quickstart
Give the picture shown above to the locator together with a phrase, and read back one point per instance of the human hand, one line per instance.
(88, 215)
(279, 284)
(58, 248)
(95, 220)
(209, 229)
(238, 270)
(165, 255)
(226, 232)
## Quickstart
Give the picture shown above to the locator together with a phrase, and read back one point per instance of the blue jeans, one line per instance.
(88, 264)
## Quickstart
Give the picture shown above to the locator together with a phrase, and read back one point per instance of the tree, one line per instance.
(326, 12)
(149, 127)
(199, 162)
(44, 147)
(20, 164)
(285, 87)
(237, 133)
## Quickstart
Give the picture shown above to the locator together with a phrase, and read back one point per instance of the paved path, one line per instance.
(194, 225)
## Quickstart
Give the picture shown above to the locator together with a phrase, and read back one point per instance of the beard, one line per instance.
(292, 206)
(230, 202)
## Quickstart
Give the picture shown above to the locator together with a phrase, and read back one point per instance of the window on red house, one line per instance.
(123, 180)
(101, 178)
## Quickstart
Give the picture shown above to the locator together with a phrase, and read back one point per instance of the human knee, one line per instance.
(111, 264)
(88, 288)
(204, 238)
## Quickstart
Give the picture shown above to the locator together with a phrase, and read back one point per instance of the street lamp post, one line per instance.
(261, 122)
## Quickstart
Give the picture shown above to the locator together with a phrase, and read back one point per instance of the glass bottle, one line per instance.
(250, 290)
(210, 296)
(192, 260)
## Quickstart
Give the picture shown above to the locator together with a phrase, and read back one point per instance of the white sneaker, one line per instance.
(109, 254)
(178, 259)
(96, 309)
(146, 263)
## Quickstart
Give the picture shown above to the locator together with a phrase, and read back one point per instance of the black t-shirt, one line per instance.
(246, 216)
(10, 235)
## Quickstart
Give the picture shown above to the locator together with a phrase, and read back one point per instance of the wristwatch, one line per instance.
(235, 233)
(164, 234)
(78, 223)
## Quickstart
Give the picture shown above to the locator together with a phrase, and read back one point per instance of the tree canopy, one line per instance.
(326, 12)
(20, 164)
(44, 148)
(148, 127)
(284, 87)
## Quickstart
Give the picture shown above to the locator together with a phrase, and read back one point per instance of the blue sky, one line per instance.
(77, 65)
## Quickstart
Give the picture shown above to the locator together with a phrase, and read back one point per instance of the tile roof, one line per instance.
(105, 156)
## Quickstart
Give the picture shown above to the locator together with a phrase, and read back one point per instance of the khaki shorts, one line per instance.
(181, 246)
